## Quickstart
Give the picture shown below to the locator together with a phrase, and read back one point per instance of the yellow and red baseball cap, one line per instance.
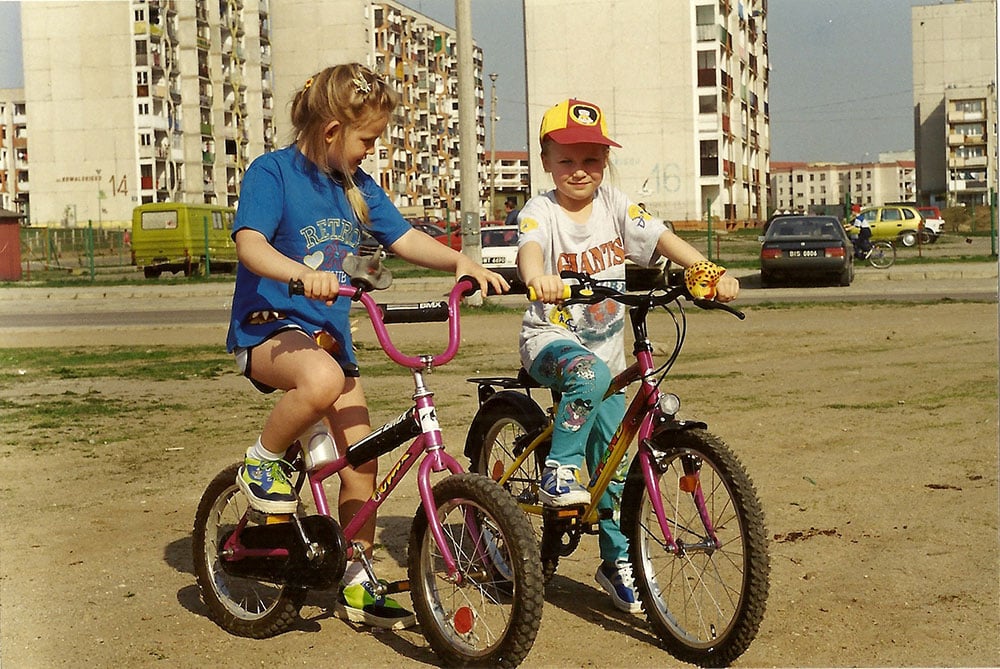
(575, 122)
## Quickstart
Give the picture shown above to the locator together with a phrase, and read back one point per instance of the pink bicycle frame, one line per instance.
(430, 441)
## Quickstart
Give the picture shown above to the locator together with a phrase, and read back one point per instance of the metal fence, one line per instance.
(74, 249)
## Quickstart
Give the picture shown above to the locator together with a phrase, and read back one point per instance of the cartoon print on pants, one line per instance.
(576, 414)
(583, 367)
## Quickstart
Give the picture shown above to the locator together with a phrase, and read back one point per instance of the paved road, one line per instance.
(24, 309)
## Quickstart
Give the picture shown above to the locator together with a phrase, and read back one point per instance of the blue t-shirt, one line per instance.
(305, 215)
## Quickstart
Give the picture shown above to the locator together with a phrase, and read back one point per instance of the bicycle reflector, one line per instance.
(670, 404)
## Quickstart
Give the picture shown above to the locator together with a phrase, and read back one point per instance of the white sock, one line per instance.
(258, 452)
(355, 573)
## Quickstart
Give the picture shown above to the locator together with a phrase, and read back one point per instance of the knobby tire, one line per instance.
(705, 604)
(490, 616)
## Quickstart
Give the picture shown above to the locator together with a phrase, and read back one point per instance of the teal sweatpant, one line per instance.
(584, 424)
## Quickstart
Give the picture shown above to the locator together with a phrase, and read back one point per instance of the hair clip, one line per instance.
(361, 85)
(309, 82)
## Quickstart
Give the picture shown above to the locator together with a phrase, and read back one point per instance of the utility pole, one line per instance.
(468, 156)
(493, 143)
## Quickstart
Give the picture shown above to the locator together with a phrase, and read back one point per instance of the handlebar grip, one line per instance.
(296, 287)
(566, 294)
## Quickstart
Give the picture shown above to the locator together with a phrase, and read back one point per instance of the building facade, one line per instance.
(955, 101)
(507, 174)
(833, 188)
(14, 182)
(183, 94)
(684, 85)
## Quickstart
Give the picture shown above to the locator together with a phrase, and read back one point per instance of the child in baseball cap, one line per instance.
(587, 226)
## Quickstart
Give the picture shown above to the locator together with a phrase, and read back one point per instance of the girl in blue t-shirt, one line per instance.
(301, 211)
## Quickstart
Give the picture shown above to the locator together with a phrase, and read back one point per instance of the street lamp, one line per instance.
(100, 196)
(493, 151)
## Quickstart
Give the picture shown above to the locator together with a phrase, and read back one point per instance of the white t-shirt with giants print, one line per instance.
(617, 229)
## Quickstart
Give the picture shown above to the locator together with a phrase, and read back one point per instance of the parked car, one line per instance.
(933, 224)
(500, 249)
(368, 245)
(900, 223)
(432, 229)
(806, 247)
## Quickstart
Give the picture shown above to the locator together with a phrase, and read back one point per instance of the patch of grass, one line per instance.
(124, 362)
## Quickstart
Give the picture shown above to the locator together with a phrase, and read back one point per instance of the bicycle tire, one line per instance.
(490, 616)
(504, 419)
(883, 255)
(242, 606)
(707, 604)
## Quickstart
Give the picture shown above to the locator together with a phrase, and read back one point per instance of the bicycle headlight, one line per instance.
(670, 404)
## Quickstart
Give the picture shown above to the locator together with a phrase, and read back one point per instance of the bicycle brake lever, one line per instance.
(712, 304)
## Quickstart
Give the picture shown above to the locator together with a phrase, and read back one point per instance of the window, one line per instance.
(969, 106)
(708, 104)
(704, 15)
(706, 68)
(891, 215)
(709, 150)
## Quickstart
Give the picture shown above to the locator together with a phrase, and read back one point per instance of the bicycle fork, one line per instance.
(653, 460)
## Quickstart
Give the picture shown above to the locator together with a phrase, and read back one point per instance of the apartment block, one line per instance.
(507, 175)
(832, 188)
(684, 85)
(181, 95)
(955, 101)
(13, 151)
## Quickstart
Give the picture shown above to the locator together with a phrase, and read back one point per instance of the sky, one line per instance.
(840, 88)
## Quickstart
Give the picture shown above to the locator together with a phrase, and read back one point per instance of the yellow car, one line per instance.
(891, 222)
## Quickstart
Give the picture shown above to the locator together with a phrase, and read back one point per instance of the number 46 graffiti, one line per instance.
(663, 179)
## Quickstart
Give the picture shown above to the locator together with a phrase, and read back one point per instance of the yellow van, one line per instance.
(177, 237)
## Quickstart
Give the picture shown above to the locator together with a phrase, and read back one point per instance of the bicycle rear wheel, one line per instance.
(496, 438)
(883, 255)
(241, 606)
(488, 615)
(704, 600)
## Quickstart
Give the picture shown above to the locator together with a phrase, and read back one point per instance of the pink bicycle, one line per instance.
(474, 571)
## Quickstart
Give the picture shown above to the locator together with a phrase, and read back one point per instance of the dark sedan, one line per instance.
(797, 248)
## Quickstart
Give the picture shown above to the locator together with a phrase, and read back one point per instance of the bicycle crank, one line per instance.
(310, 552)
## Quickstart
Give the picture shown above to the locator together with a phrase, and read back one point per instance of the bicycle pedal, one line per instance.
(563, 512)
(397, 587)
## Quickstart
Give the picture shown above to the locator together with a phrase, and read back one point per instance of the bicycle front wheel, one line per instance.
(883, 255)
(704, 598)
(489, 612)
(241, 606)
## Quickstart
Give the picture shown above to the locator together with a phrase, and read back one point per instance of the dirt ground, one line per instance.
(871, 433)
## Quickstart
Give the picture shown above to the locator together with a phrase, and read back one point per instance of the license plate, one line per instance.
(494, 261)
(807, 253)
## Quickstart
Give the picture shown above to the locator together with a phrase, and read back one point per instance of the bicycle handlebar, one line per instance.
(589, 291)
(421, 312)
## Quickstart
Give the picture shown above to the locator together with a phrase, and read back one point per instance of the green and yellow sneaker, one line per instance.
(266, 486)
(359, 604)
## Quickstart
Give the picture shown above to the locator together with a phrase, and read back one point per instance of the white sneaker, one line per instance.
(561, 485)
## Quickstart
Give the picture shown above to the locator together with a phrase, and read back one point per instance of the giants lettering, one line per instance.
(594, 260)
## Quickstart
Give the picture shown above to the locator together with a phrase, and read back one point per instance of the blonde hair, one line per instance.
(352, 95)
